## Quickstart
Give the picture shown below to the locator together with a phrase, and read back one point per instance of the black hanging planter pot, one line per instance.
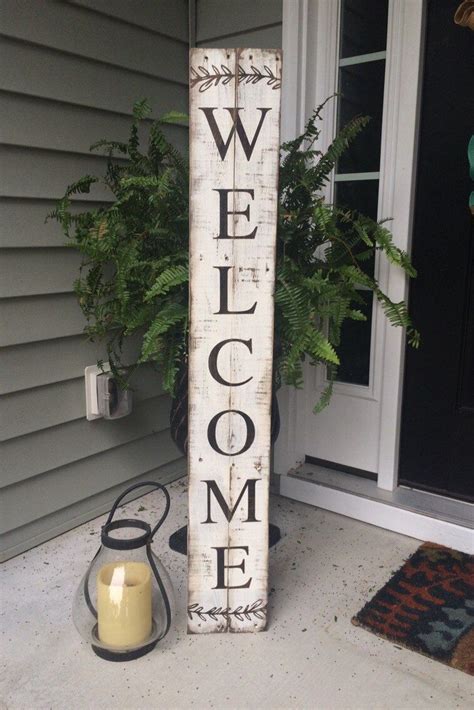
(179, 433)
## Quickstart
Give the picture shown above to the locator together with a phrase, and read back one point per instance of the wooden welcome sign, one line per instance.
(234, 156)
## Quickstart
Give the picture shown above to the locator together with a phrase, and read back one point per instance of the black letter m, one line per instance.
(212, 487)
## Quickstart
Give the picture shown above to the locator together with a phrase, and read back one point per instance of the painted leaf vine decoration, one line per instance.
(257, 609)
(205, 78)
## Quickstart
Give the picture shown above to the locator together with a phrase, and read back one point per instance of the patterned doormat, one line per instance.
(428, 606)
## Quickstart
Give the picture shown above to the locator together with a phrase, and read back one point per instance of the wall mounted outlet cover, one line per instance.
(91, 373)
(105, 399)
(113, 400)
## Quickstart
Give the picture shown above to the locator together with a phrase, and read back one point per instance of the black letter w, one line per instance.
(237, 124)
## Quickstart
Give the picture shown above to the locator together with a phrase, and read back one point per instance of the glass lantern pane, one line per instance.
(124, 602)
(361, 87)
(363, 26)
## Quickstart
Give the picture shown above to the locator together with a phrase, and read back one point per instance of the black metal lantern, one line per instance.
(123, 605)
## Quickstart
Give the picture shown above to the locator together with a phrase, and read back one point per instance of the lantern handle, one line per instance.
(153, 484)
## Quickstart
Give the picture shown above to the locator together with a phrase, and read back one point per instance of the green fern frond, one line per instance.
(346, 135)
(175, 118)
(168, 279)
(384, 240)
(355, 314)
(141, 109)
(171, 314)
(81, 186)
(110, 146)
(319, 348)
(324, 399)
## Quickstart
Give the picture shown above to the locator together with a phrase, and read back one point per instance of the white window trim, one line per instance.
(310, 70)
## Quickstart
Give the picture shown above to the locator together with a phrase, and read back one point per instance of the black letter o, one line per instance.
(211, 432)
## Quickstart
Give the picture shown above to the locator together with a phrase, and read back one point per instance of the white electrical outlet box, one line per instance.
(92, 405)
(105, 398)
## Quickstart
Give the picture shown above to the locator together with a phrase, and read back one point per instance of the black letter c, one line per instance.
(213, 361)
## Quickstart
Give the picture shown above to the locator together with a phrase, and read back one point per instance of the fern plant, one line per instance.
(134, 275)
(322, 253)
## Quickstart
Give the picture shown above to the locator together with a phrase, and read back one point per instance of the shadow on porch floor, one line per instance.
(323, 570)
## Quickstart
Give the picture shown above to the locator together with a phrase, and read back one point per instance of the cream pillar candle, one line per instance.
(124, 604)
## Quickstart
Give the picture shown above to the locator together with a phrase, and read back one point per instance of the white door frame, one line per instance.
(310, 50)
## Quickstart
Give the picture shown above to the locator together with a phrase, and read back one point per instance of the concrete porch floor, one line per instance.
(322, 572)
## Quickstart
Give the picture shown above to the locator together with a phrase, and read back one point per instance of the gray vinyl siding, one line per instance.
(246, 23)
(70, 74)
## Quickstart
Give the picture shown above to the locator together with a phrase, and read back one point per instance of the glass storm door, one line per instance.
(346, 433)
(437, 432)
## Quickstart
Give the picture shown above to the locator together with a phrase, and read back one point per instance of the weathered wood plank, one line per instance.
(256, 258)
(207, 173)
(235, 102)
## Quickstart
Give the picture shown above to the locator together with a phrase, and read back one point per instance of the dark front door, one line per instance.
(437, 435)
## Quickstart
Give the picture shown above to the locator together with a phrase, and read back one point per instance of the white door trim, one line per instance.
(310, 68)
(310, 45)
(396, 197)
(385, 513)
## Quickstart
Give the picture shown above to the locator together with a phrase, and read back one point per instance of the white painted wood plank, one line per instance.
(256, 283)
(207, 172)
(232, 268)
